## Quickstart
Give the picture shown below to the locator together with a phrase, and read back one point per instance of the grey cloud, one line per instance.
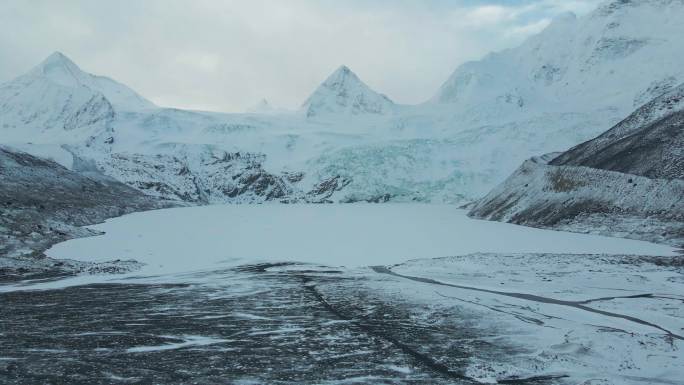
(227, 55)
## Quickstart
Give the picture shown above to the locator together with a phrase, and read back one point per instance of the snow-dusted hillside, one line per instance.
(43, 203)
(627, 181)
(584, 199)
(349, 143)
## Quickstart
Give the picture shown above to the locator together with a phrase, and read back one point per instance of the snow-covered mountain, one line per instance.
(628, 181)
(349, 143)
(57, 102)
(618, 57)
(343, 93)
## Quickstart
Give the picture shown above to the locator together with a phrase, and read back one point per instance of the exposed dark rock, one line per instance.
(326, 188)
(382, 198)
(202, 174)
(294, 177)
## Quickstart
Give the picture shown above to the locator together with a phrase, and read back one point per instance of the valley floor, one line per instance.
(497, 317)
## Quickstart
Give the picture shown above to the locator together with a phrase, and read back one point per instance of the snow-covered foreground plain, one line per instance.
(198, 238)
(595, 319)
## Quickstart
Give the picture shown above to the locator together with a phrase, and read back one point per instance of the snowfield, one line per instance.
(197, 238)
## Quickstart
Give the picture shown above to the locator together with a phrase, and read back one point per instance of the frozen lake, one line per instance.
(197, 238)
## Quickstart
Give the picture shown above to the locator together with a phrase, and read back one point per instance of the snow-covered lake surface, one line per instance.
(198, 238)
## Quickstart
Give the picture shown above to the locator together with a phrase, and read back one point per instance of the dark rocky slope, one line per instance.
(42, 203)
(650, 142)
(627, 182)
(654, 152)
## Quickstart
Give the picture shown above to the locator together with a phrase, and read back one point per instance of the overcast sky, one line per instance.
(227, 55)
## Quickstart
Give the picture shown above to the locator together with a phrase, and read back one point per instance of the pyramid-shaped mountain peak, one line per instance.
(59, 68)
(344, 93)
(57, 58)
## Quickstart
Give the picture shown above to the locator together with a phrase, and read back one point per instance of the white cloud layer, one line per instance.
(227, 55)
